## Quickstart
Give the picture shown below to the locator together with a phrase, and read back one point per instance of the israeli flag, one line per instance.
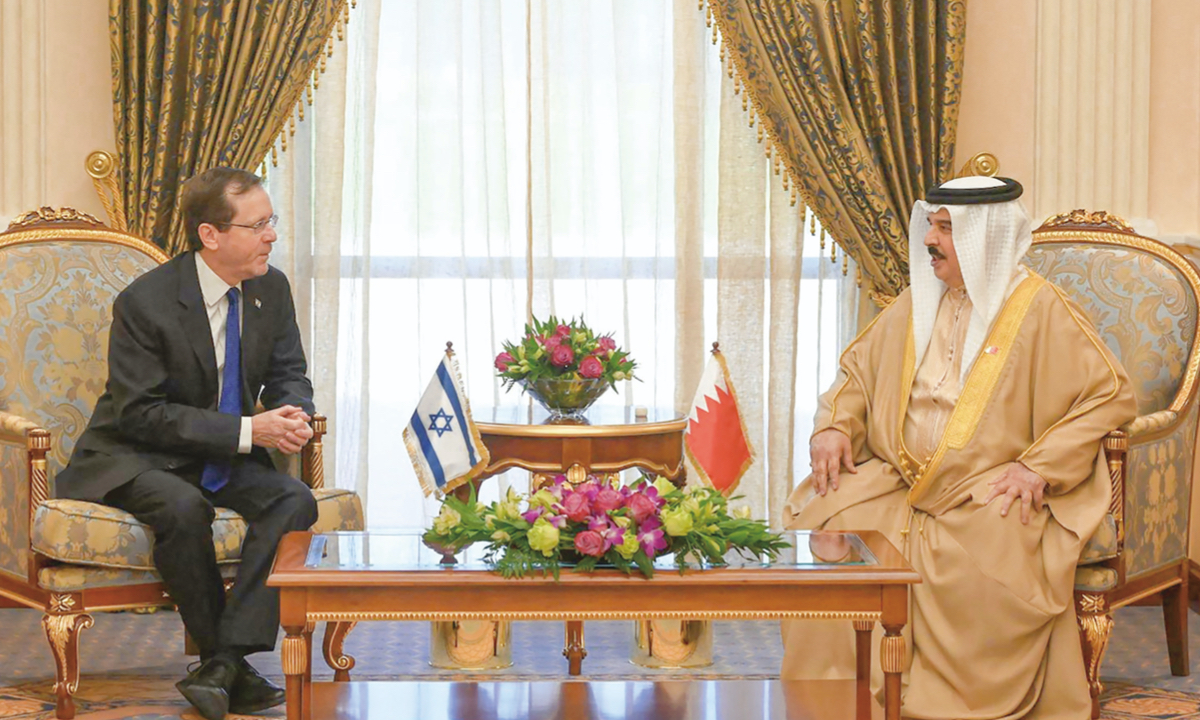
(441, 438)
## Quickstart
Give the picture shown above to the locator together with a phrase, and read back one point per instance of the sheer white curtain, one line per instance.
(469, 162)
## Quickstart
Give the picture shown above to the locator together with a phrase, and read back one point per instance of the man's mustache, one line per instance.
(935, 252)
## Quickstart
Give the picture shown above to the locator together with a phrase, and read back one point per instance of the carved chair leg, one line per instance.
(1095, 627)
(62, 630)
(1175, 615)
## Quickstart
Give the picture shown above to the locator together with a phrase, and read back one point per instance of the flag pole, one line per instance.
(450, 348)
(716, 348)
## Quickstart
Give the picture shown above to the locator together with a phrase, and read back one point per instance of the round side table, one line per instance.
(613, 439)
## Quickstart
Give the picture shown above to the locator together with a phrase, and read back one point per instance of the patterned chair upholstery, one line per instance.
(1142, 296)
(61, 272)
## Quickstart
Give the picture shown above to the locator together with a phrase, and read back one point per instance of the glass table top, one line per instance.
(404, 551)
(597, 415)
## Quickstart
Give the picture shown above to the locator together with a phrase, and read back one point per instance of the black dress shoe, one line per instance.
(207, 687)
(253, 693)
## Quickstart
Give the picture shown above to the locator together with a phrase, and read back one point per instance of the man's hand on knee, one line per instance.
(285, 428)
(830, 449)
(1018, 481)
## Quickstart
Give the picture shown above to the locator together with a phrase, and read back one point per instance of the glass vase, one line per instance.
(566, 399)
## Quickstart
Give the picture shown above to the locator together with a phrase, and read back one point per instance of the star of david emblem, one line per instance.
(439, 422)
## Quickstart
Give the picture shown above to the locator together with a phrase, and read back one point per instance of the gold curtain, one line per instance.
(201, 83)
(859, 100)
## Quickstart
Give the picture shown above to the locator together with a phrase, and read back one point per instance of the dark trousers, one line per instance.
(181, 514)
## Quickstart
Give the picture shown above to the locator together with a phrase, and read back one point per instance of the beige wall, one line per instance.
(1175, 117)
(999, 112)
(55, 67)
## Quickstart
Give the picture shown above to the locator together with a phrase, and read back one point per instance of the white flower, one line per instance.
(447, 520)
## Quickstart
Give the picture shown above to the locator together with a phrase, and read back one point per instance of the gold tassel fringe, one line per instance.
(341, 24)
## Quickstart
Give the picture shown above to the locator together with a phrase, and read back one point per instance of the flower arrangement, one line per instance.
(555, 349)
(593, 523)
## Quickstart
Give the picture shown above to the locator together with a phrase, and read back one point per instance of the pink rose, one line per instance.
(563, 331)
(641, 507)
(503, 360)
(589, 543)
(552, 342)
(562, 356)
(589, 490)
(591, 367)
(607, 499)
(606, 345)
(577, 507)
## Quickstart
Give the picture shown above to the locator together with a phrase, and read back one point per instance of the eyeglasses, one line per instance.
(258, 227)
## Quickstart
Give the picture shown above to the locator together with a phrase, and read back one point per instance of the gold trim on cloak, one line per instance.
(977, 390)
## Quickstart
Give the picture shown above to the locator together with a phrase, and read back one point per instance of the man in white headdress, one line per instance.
(965, 424)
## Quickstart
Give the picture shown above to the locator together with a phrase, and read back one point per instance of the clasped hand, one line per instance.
(285, 428)
(1018, 481)
(830, 449)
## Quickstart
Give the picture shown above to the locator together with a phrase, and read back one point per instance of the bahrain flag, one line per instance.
(716, 440)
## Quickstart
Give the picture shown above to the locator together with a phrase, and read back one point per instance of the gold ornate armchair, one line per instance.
(1142, 296)
(59, 274)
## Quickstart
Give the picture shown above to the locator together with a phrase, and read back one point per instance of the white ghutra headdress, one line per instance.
(992, 232)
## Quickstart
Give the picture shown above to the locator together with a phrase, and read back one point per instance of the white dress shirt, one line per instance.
(216, 301)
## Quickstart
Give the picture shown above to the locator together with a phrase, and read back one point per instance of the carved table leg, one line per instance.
(862, 640)
(1095, 625)
(308, 632)
(295, 661)
(331, 648)
(62, 630)
(574, 650)
(892, 659)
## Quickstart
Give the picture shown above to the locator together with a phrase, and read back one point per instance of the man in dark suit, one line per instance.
(195, 345)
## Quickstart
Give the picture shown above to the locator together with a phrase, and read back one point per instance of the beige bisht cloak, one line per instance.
(992, 630)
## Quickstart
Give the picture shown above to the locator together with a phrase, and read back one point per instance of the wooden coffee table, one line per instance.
(346, 578)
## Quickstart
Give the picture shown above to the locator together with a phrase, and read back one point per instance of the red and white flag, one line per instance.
(716, 440)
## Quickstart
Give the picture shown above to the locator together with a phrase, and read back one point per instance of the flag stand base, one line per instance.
(471, 644)
(672, 643)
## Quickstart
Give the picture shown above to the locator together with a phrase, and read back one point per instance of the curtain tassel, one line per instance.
(845, 264)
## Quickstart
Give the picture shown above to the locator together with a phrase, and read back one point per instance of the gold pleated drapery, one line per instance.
(859, 102)
(201, 83)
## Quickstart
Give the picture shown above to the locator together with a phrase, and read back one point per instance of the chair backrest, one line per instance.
(1142, 296)
(61, 271)
(1140, 293)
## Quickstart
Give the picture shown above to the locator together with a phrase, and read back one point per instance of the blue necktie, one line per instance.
(216, 474)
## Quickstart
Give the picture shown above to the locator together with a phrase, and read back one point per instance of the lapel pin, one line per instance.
(992, 350)
(258, 303)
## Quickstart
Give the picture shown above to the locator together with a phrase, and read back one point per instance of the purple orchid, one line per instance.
(609, 532)
(533, 514)
(650, 535)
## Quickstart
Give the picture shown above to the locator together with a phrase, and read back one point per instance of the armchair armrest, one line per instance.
(1116, 447)
(14, 427)
(312, 457)
(1147, 424)
(35, 440)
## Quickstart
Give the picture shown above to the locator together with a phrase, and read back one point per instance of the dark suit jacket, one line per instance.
(159, 408)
